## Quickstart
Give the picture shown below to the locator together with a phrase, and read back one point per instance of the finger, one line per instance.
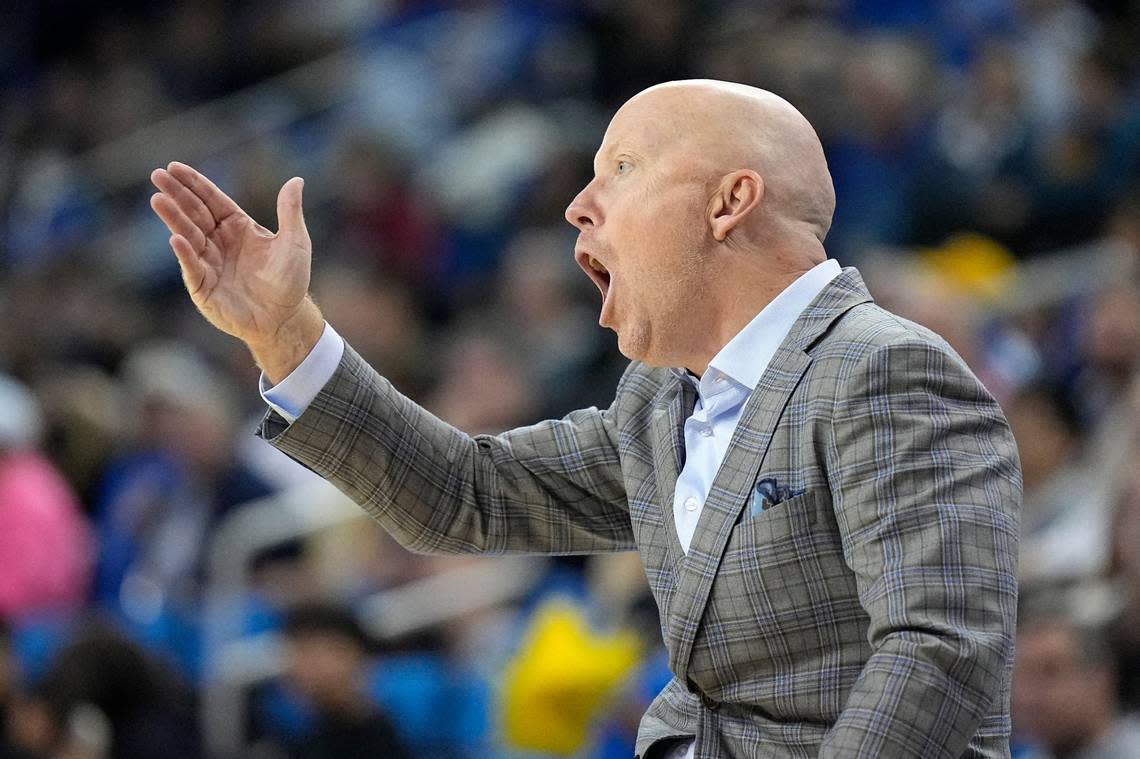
(290, 214)
(193, 269)
(176, 221)
(190, 203)
(219, 204)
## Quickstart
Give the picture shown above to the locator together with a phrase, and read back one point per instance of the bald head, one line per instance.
(703, 193)
(723, 127)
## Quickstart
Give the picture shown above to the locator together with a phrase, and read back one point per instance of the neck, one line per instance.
(751, 280)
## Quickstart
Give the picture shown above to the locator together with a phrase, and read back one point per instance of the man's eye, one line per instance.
(623, 167)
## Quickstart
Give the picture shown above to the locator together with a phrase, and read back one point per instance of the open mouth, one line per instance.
(596, 271)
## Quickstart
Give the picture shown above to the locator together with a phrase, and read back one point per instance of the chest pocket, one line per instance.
(779, 535)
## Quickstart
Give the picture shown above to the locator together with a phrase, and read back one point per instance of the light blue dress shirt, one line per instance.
(731, 377)
(722, 391)
(292, 395)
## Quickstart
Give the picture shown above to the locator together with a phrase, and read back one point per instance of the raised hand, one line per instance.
(247, 281)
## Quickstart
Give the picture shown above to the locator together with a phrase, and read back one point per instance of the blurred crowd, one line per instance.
(986, 157)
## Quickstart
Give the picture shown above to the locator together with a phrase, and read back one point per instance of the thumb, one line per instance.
(290, 216)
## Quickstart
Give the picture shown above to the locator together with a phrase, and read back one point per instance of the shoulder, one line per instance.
(868, 328)
(870, 351)
(869, 334)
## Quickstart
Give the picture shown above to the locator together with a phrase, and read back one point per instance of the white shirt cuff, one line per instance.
(292, 395)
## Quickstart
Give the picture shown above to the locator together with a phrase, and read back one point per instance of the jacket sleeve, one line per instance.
(554, 487)
(927, 488)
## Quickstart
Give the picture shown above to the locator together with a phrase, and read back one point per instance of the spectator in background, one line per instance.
(1089, 159)
(327, 655)
(83, 415)
(1066, 512)
(7, 691)
(1064, 691)
(104, 698)
(981, 138)
(1110, 352)
(160, 500)
(389, 223)
(45, 545)
(877, 155)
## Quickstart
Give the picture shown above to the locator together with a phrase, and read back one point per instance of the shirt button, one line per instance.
(707, 430)
(720, 380)
(690, 504)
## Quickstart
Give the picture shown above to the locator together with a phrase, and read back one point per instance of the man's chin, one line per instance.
(635, 347)
(627, 347)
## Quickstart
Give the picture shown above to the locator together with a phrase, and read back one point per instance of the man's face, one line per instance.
(1057, 696)
(323, 667)
(643, 232)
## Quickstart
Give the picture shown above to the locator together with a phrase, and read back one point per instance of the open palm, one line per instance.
(246, 280)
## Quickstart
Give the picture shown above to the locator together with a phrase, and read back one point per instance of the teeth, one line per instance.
(596, 265)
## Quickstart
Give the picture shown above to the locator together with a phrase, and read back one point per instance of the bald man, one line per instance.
(824, 497)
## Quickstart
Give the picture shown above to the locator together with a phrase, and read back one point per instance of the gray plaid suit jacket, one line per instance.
(869, 615)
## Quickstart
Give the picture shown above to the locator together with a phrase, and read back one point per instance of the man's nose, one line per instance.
(582, 212)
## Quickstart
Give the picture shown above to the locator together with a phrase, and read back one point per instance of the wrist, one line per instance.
(281, 353)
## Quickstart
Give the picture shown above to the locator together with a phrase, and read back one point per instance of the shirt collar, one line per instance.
(747, 355)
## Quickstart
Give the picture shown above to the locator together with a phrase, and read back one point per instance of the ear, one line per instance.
(737, 195)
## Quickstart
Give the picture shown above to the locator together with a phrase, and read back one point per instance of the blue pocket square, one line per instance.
(768, 493)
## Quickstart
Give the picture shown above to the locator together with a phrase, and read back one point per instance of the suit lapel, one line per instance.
(737, 474)
(728, 495)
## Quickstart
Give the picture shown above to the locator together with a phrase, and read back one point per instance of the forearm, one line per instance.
(550, 488)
